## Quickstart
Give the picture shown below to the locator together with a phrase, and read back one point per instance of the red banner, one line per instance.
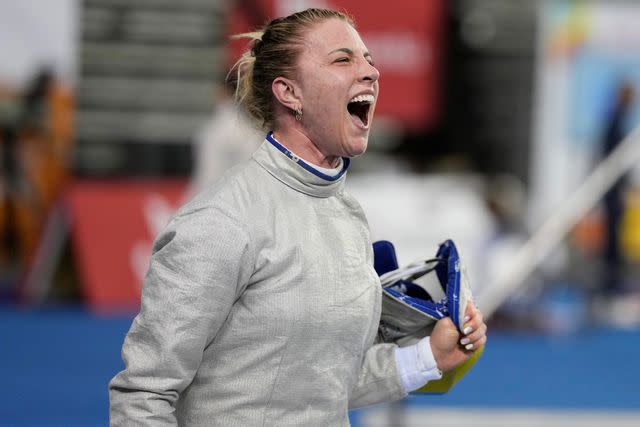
(405, 38)
(113, 227)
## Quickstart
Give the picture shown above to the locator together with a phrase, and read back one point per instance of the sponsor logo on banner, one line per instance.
(156, 211)
(113, 228)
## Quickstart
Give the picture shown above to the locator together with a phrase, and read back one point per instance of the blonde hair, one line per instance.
(273, 52)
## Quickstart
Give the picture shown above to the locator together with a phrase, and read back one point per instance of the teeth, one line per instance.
(362, 98)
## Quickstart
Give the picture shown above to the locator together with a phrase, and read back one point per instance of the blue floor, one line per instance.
(596, 370)
(55, 366)
(56, 363)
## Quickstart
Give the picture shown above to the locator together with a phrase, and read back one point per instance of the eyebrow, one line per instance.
(348, 52)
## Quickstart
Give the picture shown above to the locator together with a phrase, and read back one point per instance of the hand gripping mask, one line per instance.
(409, 311)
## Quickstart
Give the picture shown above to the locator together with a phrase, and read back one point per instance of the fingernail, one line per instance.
(467, 318)
(467, 330)
(464, 341)
(468, 346)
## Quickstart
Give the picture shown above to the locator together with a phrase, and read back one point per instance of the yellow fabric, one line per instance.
(448, 379)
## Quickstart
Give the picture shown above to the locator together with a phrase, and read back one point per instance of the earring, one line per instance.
(298, 113)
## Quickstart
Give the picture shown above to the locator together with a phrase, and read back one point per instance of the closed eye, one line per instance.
(345, 59)
(369, 59)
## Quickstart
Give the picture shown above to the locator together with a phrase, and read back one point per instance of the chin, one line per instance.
(358, 149)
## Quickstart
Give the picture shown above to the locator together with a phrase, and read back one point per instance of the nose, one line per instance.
(369, 72)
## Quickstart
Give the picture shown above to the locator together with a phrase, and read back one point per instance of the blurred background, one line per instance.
(501, 124)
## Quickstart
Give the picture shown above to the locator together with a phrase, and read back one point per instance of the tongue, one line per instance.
(357, 119)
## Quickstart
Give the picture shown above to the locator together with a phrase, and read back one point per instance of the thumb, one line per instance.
(445, 334)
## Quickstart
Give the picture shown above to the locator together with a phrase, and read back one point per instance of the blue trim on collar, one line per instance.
(345, 161)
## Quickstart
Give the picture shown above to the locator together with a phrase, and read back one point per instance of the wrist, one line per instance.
(427, 357)
(437, 355)
(416, 365)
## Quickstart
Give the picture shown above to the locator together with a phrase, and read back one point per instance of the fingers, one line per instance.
(475, 330)
(470, 310)
(473, 319)
(475, 339)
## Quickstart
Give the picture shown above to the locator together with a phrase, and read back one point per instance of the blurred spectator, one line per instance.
(614, 132)
(35, 135)
(614, 303)
(225, 140)
(229, 136)
(22, 118)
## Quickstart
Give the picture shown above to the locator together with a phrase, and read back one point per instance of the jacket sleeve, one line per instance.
(198, 267)
(379, 379)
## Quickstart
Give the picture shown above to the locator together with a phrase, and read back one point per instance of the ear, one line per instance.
(286, 92)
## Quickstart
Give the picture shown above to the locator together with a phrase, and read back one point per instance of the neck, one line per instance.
(298, 142)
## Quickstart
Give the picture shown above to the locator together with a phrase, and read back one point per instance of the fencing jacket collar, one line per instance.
(293, 171)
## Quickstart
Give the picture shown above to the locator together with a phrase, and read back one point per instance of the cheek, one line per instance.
(327, 103)
(326, 99)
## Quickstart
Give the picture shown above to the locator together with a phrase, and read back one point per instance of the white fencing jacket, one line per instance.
(260, 307)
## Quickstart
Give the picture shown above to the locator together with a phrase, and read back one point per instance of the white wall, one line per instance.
(36, 33)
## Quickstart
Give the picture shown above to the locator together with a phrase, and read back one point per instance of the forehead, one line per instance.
(334, 33)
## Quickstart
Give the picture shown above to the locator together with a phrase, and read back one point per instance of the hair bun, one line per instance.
(256, 46)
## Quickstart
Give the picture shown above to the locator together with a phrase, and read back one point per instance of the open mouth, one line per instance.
(359, 108)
